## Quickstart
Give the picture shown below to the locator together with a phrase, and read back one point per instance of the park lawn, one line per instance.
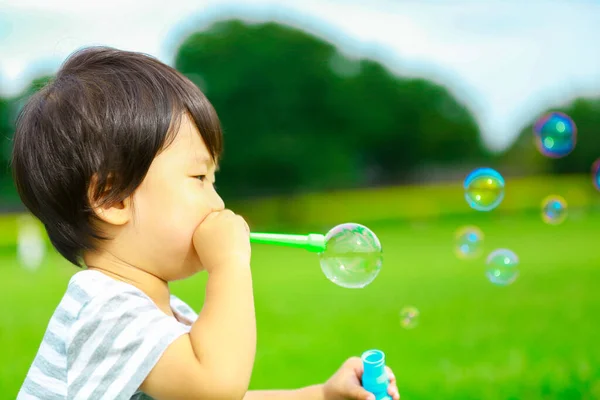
(535, 339)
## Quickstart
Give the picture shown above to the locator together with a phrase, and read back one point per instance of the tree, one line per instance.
(299, 115)
(7, 190)
(9, 109)
(405, 123)
(586, 115)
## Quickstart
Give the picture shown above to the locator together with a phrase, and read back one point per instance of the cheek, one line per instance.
(173, 214)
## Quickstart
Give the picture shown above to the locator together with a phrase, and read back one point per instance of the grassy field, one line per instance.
(535, 339)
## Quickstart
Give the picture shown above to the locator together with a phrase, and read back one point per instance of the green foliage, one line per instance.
(586, 115)
(401, 124)
(299, 115)
(9, 109)
(6, 128)
(7, 190)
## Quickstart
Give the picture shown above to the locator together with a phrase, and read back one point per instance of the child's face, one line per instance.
(174, 198)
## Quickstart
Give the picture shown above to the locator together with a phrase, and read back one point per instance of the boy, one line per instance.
(117, 157)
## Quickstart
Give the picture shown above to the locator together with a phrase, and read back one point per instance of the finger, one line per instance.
(245, 223)
(392, 388)
(210, 217)
(226, 213)
(390, 375)
(356, 364)
(393, 391)
(359, 393)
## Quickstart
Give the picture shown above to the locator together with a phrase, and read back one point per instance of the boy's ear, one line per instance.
(111, 212)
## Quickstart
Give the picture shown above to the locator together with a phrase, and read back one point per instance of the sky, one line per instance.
(506, 60)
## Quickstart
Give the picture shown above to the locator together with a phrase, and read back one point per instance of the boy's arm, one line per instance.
(308, 393)
(214, 361)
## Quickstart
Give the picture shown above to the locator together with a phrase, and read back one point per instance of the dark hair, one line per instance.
(102, 119)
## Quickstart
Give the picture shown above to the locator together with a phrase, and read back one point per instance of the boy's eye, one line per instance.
(204, 179)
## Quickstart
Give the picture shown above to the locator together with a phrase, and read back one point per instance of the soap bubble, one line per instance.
(596, 174)
(555, 134)
(352, 256)
(469, 242)
(554, 210)
(409, 317)
(502, 267)
(484, 189)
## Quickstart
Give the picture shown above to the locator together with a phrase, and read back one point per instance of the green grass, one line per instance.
(535, 339)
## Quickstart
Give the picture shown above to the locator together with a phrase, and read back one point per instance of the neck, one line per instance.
(116, 268)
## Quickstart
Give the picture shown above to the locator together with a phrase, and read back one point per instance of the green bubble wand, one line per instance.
(350, 254)
(318, 243)
(313, 242)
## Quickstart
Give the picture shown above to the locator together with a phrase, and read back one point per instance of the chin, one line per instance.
(188, 264)
(185, 271)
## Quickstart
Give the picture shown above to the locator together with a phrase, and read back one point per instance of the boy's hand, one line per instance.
(345, 383)
(222, 240)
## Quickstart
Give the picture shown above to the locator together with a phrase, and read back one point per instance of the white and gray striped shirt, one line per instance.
(102, 341)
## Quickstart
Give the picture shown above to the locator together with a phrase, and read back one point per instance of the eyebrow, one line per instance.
(206, 160)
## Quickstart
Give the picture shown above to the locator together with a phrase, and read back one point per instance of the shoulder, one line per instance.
(88, 285)
(87, 288)
(118, 336)
(104, 301)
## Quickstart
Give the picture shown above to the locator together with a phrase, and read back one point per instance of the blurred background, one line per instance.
(369, 112)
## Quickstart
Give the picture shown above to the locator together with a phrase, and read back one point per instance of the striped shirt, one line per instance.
(102, 341)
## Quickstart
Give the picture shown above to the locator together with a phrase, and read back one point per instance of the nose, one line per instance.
(217, 202)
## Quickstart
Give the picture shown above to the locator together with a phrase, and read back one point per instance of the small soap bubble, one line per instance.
(409, 317)
(554, 210)
(502, 267)
(352, 256)
(469, 242)
(596, 174)
(484, 189)
(555, 134)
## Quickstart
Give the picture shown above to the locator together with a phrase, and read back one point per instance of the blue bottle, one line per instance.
(375, 379)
